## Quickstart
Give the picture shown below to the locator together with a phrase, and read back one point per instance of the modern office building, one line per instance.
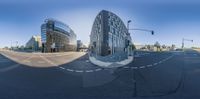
(109, 35)
(57, 36)
(34, 43)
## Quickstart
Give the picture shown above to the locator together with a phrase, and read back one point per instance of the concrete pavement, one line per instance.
(42, 59)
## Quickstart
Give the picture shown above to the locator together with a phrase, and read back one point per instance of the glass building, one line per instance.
(109, 35)
(57, 36)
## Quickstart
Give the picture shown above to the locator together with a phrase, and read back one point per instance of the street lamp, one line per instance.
(129, 49)
(185, 40)
(151, 31)
(139, 29)
(129, 21)
(134, 78)
(16, 44)
(11, 46)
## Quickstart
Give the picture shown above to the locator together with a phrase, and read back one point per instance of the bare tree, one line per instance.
(157, 45)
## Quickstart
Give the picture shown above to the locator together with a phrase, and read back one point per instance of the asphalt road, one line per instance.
(152, 75)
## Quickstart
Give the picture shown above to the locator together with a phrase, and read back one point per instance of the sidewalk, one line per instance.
(42, 60)
(198, 50)
(111, 64)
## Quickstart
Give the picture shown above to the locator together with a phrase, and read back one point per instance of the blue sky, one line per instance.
(171, 20)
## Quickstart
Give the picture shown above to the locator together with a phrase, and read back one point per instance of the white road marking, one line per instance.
(78, 71)
(89, 71)
(149, 65)
(98, 69)
(70, 70)
(126, 67)
(62, 67)
(9, 68)
(142, 66)
(13, 66)
(134, 67)
(160, 62)
(155, 63)
(47, 60)
(164, 60)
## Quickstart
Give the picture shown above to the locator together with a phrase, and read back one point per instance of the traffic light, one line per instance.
(152, 32)
(127, 43)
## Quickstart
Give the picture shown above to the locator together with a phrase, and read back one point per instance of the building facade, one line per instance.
(34, 43)
(109, 35)
(57, 36)
(79, 45)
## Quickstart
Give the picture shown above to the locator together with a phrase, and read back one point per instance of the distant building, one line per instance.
(139, 46)
(109, 35)
(34, 43)
(57, 36)
(79, 45)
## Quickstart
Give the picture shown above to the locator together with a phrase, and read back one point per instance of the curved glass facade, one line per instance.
(57, 36)
(109, 34)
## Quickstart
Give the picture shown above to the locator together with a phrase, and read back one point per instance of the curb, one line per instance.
(103, 64)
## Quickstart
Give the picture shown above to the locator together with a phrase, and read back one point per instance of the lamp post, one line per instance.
(16, 44)
(11, 46)
(128, 47)
(138, 29)
(151, 31)
(183, 42)
(134, 77)
(129, 21)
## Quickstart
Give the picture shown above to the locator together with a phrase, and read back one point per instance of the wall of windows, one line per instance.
(109, 34)
(43, 33)
(59, 34)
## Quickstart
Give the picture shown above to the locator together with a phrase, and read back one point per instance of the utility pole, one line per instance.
(183, 42)
(134, 74)
(128, 40)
